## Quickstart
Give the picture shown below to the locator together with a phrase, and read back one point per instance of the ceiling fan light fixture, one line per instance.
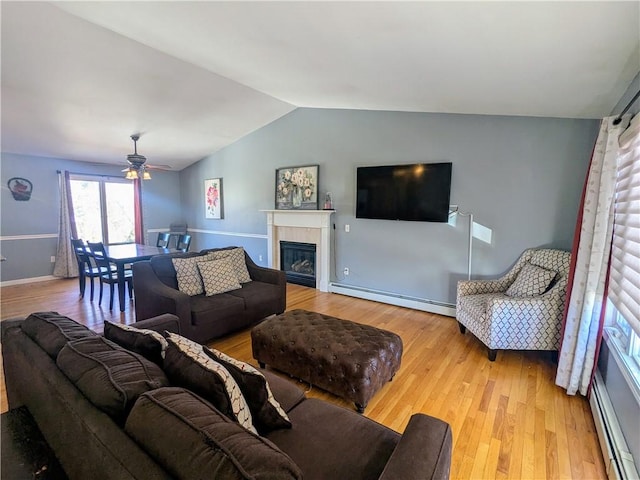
(146, 175)
(131, 174)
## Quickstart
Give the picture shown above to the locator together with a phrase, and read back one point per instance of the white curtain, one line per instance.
(582, 324)
(66, 265)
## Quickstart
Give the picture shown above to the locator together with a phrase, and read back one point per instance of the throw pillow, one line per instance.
(52, 331)
(188, 366)
(210, 445)
(188, 276)
(111, 377)
(148, 343)
(218, 276)
(531, 281)
(237, 258)
(266, 411)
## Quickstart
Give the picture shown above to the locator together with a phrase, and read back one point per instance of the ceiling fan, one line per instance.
(138, 167)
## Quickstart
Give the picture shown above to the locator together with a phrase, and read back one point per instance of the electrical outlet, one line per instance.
(347, 228)
(346, 271)
(260, 257)
(53, 259)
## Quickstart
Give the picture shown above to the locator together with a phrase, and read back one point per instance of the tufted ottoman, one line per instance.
(350, 360)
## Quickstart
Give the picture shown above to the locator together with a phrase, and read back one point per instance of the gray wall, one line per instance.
(520, 176)
(31, 257)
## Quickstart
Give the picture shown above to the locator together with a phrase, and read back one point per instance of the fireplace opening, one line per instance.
(298, 261)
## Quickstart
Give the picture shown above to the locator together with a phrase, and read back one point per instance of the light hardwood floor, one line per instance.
(509, 420)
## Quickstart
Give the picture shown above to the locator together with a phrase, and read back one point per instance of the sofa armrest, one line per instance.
(167, 321)
(423, 452)
(475, 287)
(153, 298)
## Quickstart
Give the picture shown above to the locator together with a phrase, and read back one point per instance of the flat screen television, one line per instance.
(418, 192)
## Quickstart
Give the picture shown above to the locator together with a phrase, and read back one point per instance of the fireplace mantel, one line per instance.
(307, 226)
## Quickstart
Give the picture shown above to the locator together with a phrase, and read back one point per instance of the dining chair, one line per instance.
(109, 275)
(184, 242)
(86, 268)
(163, 239)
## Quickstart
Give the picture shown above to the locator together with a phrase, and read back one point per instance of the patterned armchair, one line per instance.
(521, 310)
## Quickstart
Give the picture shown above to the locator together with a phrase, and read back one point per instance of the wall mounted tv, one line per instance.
(418, 192)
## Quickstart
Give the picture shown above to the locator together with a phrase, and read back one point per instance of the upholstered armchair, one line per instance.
(523, 309)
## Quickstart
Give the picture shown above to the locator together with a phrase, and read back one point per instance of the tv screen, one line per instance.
(419, 192)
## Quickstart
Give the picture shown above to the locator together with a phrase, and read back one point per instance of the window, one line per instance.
(103, 208)
(623, 303)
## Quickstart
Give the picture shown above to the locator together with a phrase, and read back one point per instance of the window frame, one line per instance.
(102, 191)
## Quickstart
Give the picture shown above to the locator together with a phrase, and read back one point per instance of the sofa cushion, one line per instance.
(531, 281)
(218, 276)
(148, 343)
(266, 411)
(110, 376)
(237, 258)
(188, 275)
(210, 445)
(205, 309)
(259, 296)
(323, 432)
(52, 331)
(188, 366)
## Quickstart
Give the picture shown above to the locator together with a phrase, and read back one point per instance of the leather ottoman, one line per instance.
(348, 359)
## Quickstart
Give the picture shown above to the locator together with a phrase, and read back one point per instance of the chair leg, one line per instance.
(83, 281)
(91, 280)
(492, 355)
(111, 285)
(130, 287)
(463, 329)
(100, 300)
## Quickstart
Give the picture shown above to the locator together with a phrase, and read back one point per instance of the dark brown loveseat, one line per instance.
(203, 317)
(324, 442)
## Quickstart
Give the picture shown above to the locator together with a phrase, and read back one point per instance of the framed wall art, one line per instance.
(213, 198)
(297, 188)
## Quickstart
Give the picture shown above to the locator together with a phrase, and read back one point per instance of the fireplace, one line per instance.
(298, 261)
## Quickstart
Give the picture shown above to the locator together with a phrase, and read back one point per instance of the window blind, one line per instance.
(624, 281)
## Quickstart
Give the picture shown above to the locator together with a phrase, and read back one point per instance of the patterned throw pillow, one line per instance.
(188, 366)
(266, 411)
(531, 281)
(148, 343)
(236, 256)
(218, 276)
(188, 276)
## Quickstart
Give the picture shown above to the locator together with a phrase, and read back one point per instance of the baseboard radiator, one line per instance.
(432, 306)
(618, 461)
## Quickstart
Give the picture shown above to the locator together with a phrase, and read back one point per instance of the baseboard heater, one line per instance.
(432, 306)
(617, 458)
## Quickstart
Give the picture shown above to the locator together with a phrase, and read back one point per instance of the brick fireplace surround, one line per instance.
(306, 226)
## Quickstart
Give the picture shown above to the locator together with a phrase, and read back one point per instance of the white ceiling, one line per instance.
(78, 78)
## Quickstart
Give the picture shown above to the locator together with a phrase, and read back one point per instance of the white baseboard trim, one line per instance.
(618, 460)
(22, 281)
(390, 298)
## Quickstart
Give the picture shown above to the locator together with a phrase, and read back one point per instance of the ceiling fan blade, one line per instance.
(159, 167)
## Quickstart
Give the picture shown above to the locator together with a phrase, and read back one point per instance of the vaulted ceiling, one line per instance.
(78, 78)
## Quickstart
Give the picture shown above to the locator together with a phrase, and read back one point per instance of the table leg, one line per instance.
(121, 284)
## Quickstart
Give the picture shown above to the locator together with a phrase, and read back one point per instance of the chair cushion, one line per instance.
(205, 309)
(237, 258)
(531, 281)
(148, 343)
(111, 377)
(210, 445)
(52, 331)
(266, 411)
(188, 366)
(218, 276)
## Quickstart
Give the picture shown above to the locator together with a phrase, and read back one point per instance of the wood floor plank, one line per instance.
(508, 419)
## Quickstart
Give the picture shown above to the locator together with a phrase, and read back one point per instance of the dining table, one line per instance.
(126, 253)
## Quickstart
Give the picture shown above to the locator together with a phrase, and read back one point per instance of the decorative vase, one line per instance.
(296, 197)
